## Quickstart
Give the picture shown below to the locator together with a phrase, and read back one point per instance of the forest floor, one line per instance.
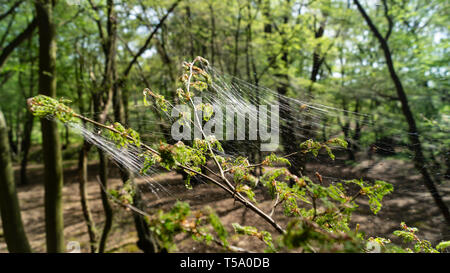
(410, 202)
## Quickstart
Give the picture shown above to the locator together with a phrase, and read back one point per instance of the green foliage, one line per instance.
(273, 158)
(180, 219)
(264, 236)
(410, 238)
(207, 110)
(374, 192)
(179, 153)
(124, 137)
(247, 190)
(166, 225)
(150, 159)
(218, 227)
(374, 243)
(43, 107)
(329, 206)
(307, 238)
(408, 234)
(125, 194)
(314, 147)
(199, 80)
(443, 245)
(160, 101)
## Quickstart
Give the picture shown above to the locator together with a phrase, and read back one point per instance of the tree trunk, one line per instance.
(213, 34)
(14, 232)
(29, 122)
(83, 165)
(108, 45)
(53, 173)
(416, 145)
(288, 138)
(83, 179)
(26, 145)
(236, 43)
(189, 27)
(447, 163)
(317, 56)
(105, 201)
(145, 239)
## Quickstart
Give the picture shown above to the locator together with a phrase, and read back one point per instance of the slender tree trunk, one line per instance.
(26, 145)
(447, 163)
(105, 201)
(50, 138)
(103, 176)
(83, 166)
(83, 179)
(14, 232)
(12, 144)
(18, 133)
(29, 122)
(146, 241)
(288, 134)
(236, 43)
(416, 145)
(66, 137)
(213, 34)
(345, 126)
(112, 85)
(108, 45)
(189, 26)
(317, 56)
(358, 127)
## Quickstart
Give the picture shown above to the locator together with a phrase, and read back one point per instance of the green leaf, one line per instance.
(443, 245)
(218, 227)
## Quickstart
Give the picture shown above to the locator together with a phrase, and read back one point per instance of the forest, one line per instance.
(206, 126)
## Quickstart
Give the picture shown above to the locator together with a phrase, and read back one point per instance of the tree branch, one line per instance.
(11, 10)
(149, 38)
(17, 41)
(99, 26)
(389, 19)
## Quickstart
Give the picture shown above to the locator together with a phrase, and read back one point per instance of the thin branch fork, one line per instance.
(149, 38)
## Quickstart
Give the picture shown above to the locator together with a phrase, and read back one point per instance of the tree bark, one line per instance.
(14, 232)
(108, 45)
(318, 56)
(83, 179)
(83, 167)
(145, 239)
(236, 43)
(29, 122)
(416, 145)
(105, 201)
(213, 34)
(26, 145)
(53, 173)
